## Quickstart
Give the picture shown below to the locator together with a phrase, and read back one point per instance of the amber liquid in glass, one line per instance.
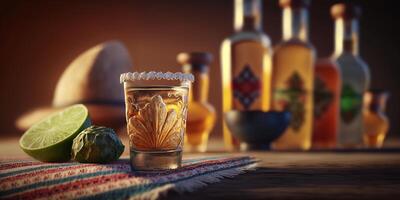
(201, 118)
(376, 123)
(201, 114)
(156, 118)
(376, 127)
(293, 80)
(246, 65)
(292, 91)
(326, 104)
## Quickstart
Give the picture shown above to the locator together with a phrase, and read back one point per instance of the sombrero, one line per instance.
(91, 79)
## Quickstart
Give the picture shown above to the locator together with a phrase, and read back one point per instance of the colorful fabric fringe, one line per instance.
(28, 179)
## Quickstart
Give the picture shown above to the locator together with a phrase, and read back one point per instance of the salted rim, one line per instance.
(136, 76)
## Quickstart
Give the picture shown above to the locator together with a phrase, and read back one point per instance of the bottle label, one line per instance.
(246, 87)
(323, 97)
(350, 104)
(292, 99)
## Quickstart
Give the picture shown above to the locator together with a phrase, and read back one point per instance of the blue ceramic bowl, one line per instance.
(256, 130)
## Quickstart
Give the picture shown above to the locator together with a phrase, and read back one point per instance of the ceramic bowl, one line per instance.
(256, 130)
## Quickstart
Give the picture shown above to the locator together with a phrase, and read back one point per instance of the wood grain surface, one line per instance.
(311, 175)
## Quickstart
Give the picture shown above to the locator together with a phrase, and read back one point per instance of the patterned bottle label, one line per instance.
(350, 103)
(246, 87)
(323, 97)
(292, 98)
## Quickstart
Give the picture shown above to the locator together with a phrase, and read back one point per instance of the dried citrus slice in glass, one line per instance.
(51, 139)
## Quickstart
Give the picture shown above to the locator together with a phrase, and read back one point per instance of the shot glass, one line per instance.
(156, 111)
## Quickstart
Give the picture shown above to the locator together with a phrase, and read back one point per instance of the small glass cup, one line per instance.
(156, 111)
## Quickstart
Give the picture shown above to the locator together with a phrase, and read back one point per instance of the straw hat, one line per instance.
(92, 79)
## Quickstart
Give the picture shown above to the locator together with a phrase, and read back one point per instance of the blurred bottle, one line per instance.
(375, 121)
(201, 114)
(246, 65)
(326, 104)
(354, 72)
(293, 76)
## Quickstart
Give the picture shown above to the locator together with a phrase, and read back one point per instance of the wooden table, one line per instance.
(312, 175)
(298, 175)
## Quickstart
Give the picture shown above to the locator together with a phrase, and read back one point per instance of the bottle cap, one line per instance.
(196, 61)
(295, 3)
(194, 58)
(346, 11)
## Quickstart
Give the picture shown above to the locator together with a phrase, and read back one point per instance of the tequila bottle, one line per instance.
(201, 114)
(326, 104)
(354, 72)
(246, 65)
(376, 122)
(293, 76)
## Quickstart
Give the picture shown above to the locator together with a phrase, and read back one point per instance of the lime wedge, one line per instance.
(50, 140)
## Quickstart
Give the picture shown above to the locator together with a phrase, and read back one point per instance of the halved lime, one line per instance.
(50, 140)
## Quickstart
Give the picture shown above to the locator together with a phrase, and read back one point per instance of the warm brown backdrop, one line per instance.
(38, 39)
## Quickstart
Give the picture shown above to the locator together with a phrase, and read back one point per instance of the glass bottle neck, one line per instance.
(199, 88)
(247, 15)
(376, 103)
(295, 23)
(346, 36)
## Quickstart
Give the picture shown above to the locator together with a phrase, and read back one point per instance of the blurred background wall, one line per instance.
(38, 39)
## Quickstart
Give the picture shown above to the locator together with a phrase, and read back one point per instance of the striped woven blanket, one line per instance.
(28, 179)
